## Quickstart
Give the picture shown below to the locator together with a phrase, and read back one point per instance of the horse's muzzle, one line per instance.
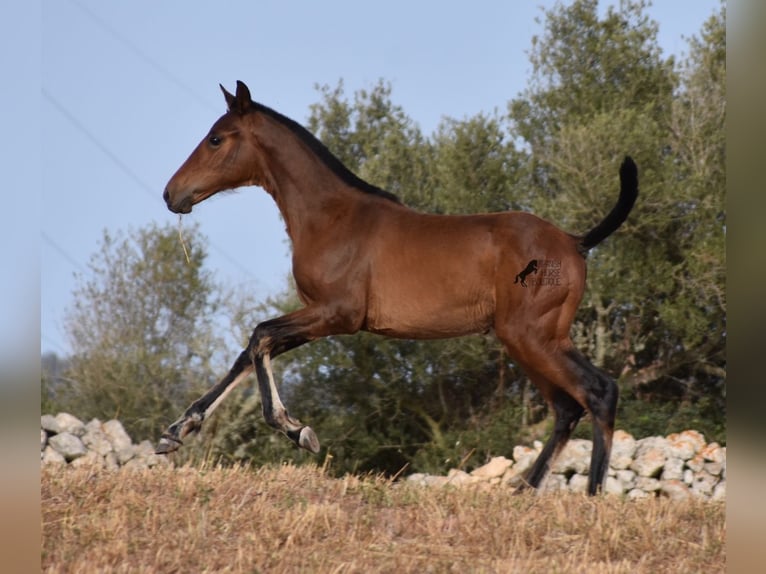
(183, 206)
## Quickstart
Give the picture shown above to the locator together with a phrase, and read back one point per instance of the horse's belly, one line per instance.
(430, 314)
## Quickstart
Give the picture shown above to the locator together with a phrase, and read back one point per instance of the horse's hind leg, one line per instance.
(567, 412)
(601, 392)
(571, 384)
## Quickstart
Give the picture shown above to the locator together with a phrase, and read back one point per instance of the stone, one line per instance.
(135, 463)
(554, 482)
(110, 461)
(623, 449)
(70, 424)
(92, 425)
(675, 490)
(637, 493)
(703, 484)
(578, 483)
(89, 459)
(418, 478)
(43, 439)
(673, 469)
(460, 477)
(647, 484)
(437, 481)
(96, 440)
(714, 468)
(696, 463)
(719, 492)
(124, 454)
(627, 478)
(650, 456)
(52, 456)
(514, 476)
(495, 468)
(144, 449)
(613, 485)
(48, 423)
(713, 452)
(524, 457)
(574, 457)
(686, 444)
(159, 460)
(116, 435)
(67, 445)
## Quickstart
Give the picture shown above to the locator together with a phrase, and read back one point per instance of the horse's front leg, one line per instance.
(274, 337)
(275, 412)
(199, 410)
(270, 338)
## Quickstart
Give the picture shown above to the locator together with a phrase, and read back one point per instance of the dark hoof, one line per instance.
(167, 445)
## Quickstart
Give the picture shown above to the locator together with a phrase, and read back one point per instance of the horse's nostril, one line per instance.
(166, 196)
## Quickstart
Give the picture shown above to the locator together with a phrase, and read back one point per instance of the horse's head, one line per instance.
(226, 158)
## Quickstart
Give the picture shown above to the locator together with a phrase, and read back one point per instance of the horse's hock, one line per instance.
(678, 466)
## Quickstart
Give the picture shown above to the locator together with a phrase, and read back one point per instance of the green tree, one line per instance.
(689, 334)
(476, 167)
(142, 330)
(654, 309)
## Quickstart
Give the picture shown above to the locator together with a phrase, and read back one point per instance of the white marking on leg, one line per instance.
(241, 377)
(276, 402)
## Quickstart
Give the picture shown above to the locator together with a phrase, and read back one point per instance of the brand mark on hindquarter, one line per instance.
(547, 271)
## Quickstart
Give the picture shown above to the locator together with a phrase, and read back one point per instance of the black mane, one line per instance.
(329, 159)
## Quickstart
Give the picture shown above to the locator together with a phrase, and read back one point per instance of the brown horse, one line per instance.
(363, 261)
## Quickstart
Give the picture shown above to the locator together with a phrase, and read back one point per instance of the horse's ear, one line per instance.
(230, 99)
(243, 98)
(241, 103)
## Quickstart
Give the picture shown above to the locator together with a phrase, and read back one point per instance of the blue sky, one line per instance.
(128, 90)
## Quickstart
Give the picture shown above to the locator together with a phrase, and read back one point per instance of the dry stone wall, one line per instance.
(66, 440)
(677, 466)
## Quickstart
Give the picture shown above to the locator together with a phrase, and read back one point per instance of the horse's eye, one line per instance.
(214, 141)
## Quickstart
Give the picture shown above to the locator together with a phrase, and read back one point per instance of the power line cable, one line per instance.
(142, 56)
(146, 188)
(61, 251)
(95, 141)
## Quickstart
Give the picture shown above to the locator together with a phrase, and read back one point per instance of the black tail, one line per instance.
(628, 194)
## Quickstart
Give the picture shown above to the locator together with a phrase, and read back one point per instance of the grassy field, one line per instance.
(296, 519)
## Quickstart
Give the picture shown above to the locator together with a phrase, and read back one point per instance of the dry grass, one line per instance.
(295, 519)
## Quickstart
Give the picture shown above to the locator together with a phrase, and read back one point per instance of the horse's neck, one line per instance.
(308, 194)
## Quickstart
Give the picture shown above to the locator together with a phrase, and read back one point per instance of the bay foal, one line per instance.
(362, 261)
